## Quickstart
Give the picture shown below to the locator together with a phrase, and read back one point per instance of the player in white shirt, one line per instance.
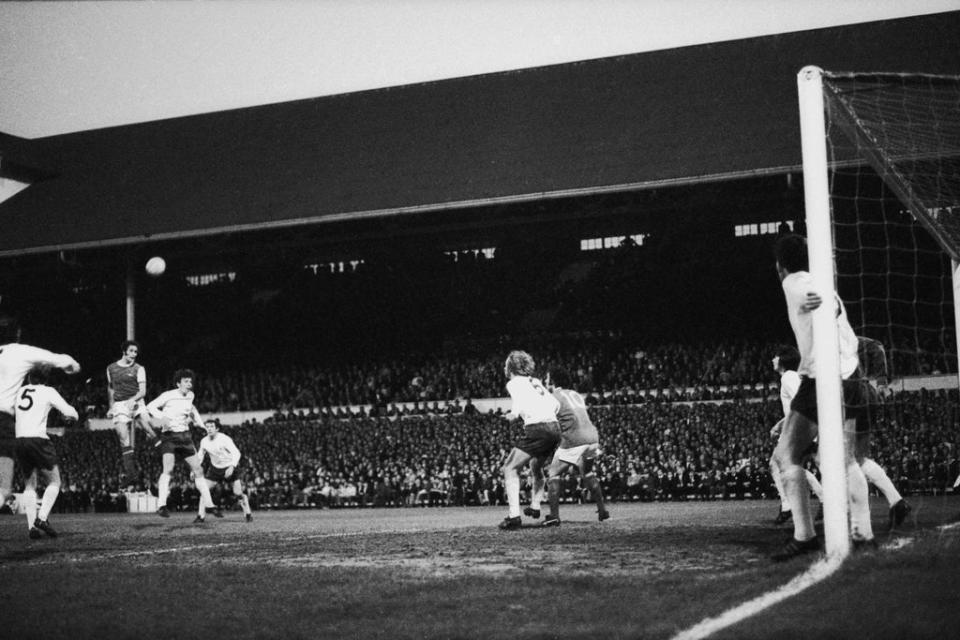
(224, 462)
(174, 412)
(800, 427)
(36, 454)
(541, 433)
(785, 363)
(16, 360)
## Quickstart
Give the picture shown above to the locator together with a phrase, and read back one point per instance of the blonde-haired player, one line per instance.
(35, 453)
(174, 411)
(224, 460)
(541, 433)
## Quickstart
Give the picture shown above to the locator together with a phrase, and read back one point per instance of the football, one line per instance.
(156, 266)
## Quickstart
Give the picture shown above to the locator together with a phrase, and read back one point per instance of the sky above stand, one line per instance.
(74, 66)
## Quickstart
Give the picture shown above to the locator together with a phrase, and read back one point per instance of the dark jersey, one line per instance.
(123, 380)
(576, 428)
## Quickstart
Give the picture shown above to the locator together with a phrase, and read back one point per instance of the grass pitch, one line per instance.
(651, 571)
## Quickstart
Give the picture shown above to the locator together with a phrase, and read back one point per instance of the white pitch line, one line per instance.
(817, 573)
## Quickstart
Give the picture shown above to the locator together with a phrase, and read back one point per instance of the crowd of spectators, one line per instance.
(658, 450)
(605, 365)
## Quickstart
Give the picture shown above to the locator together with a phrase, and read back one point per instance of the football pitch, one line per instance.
(652, 571)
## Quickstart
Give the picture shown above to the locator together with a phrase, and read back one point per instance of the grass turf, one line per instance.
(651, 571)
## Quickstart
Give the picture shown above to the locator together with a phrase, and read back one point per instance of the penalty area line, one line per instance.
(818, 572)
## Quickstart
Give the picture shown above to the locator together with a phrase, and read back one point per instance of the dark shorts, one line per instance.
(220, 475)
(179, 443)
(859, 401)
(36, 453)
(539, 440)
(8, 433)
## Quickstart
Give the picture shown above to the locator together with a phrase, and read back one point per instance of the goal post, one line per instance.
(881, 170)
(816, 185)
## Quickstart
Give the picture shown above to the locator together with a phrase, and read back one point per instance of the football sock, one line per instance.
(30, 505)
(163, 489)
(858, 491)
(878, 477)
(815, 485)
(798, 496)
(206, 502)
(129, 464)
(244, 503)
(778, 483)
(49, 497)
(593, 485)
(511, 485)
(553, 495)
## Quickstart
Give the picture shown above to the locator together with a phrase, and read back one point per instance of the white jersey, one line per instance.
(795, 288)
(789, 385)
(223, 452)
(177, 408)
(16, 360)
(531, 400)
(34, 403)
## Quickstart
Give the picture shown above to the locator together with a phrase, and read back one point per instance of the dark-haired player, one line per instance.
(175, 412)
(800, 428)
(579, 447)
(224, 463)
(16, 360)
(35, 453)
(126, 389)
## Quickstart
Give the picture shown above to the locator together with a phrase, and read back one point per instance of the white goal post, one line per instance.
(870, 139)
(816, 185)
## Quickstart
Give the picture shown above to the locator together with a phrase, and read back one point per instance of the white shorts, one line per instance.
(123, 413)
(574, 455)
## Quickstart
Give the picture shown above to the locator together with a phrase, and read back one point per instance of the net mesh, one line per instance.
(894, 153)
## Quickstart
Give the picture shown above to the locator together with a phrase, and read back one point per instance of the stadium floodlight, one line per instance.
(881, 158)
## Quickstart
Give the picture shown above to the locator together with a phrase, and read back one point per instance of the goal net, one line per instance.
(882, 187)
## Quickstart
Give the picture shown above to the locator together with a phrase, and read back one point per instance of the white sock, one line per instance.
(858, 491)
(511, 485)
(878, 477)
(798, 495)
(815, 485)
(30, 505)
(163, 489)
(206, 502)
(49, 497)
(778, 483)
(244, 504)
